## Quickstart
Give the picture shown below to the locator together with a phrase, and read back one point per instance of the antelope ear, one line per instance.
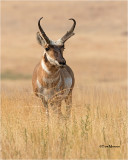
(40, 39)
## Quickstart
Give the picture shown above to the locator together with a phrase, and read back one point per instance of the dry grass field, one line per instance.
(97, 55)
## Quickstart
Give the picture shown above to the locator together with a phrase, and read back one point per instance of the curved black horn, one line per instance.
(42, 32)
(74, 24)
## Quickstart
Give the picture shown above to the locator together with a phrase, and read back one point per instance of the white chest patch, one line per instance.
(50, 80)
(45, 67)
(38, 84)
(68, 82)
(64, 84)
(67, 85)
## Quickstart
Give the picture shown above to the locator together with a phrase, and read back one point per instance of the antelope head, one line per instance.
(53, 50)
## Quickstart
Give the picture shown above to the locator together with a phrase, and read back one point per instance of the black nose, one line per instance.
(62, 62)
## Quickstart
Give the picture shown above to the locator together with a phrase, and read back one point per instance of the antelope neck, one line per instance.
(50, 70)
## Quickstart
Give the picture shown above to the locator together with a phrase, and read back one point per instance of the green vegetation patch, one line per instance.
(14, 76)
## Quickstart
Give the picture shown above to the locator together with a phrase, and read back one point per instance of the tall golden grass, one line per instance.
(98, 118)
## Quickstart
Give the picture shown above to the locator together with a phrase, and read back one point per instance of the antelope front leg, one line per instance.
(46, 107)
(68, 102)
(56, 107)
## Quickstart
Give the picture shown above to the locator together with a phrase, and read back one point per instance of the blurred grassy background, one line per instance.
(97, 53)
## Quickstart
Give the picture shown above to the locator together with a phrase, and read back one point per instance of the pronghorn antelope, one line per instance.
(53, 80)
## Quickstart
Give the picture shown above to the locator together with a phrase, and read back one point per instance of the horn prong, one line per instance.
(70, 32)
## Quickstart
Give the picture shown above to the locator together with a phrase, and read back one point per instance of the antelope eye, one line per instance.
(47, 49)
